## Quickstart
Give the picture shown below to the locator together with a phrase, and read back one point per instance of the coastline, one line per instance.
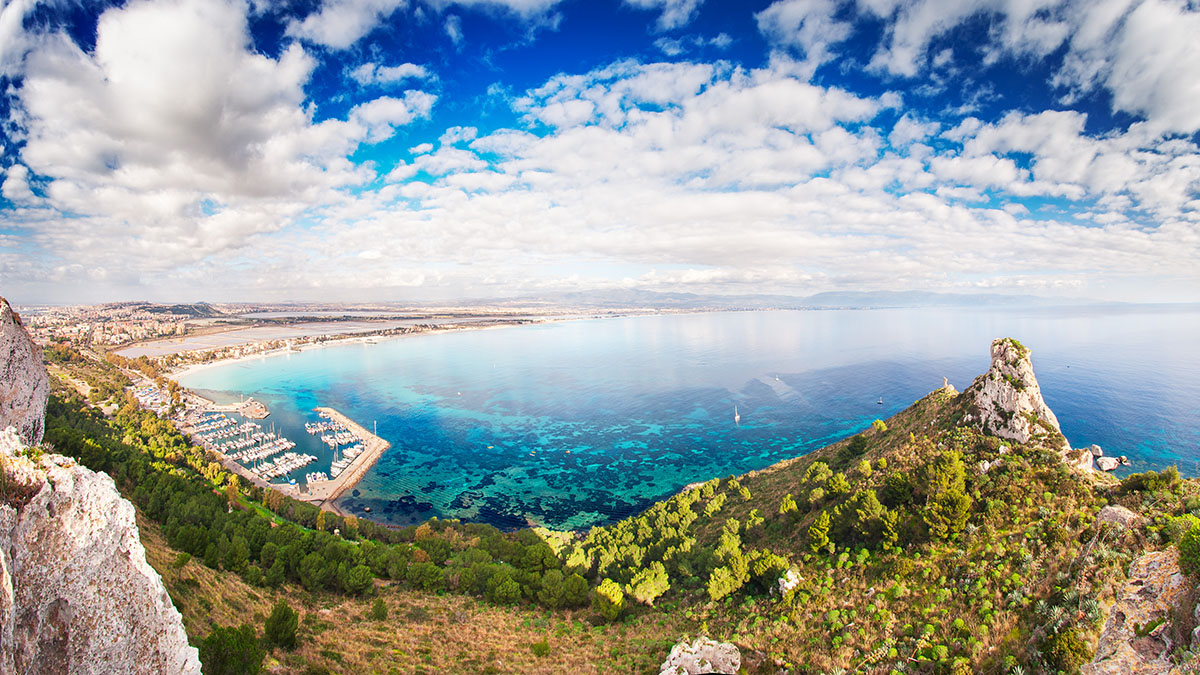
(179, 372)
(325, 492)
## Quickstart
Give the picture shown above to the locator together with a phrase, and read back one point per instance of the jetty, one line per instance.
(324, 492)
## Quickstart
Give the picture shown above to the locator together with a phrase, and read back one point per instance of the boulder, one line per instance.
(702, 655)
(1006, 402)
(24, 384)
(1155, 586)
(1107, 463)
(1096, 451)
(1118, 515)
(786, 582)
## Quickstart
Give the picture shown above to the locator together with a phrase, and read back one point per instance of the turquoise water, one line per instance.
(579, 423)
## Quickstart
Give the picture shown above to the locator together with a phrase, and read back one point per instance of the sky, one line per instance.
(412, 150)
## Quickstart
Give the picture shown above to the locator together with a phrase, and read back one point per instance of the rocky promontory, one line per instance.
(1006, 402)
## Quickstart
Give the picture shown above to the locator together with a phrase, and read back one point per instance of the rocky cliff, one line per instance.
(76, 593)
(1006, 401)
(24, 384)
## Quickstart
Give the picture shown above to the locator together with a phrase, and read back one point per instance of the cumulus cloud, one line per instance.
(341, 23)
(673, 13)
(174, 138)
(373, 73)
(809, 26)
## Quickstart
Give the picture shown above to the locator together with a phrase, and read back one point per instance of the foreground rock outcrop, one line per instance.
(702, 656)
(24, 384)
(1135, 637)
(1006, 402)
(76, 593)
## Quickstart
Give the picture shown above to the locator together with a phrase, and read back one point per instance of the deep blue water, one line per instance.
(579, 423)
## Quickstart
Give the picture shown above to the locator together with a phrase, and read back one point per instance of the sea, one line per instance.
(580, 423)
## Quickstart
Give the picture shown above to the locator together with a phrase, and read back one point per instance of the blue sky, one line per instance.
(429, 149)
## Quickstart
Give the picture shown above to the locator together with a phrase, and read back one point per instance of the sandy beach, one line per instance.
(325, 492)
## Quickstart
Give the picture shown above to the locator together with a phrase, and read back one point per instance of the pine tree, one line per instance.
(280, 627)
(818, 532)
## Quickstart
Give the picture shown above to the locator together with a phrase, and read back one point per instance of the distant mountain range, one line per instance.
(629, 299)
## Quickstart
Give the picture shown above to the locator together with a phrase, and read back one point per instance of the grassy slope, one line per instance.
(424, 633)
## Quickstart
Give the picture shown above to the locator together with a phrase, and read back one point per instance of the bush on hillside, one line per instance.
(280, 627)
(609, 599)
(231, 651)
(1189, 552)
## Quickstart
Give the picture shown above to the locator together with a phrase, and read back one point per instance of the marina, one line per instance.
(349, 464)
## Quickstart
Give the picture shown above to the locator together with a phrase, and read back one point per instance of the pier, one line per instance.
(324, 493)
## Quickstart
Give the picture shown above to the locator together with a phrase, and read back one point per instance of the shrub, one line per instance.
(540, 649)
(649, 583)
(231, 651)
(379, 610)
(280, 627)
(787, 505)
(1189, 552)
(575, 591)
(502, 590)
(1066, 651)
(609, 599)
(1151, 481)
(818, 533)
(878, 425)
(426, 576)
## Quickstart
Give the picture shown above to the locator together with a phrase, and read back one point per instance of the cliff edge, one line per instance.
(24, 384)
(1007, 402)
(76, 593)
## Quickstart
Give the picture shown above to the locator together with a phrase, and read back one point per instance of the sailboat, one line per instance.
(736, 417)
(880, 401)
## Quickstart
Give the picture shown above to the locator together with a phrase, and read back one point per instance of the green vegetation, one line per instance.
(231, 651)
(280, 628)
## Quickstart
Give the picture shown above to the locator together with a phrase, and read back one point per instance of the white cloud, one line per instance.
(15, 186)
(458, 135)
(373, 73)
(341, 23)
(674, 13)
(807, 25)
(338, 24)
(453, 28)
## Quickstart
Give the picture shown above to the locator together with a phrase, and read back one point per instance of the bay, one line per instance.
(579, 423)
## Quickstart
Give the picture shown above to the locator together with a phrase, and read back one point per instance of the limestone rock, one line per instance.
(76, 593)
(1118, 515)
(1006, 402)
(702, 656)
(24, 384)
(787, 581)
(1155, 586)
(1096, 451)
(1107, 463)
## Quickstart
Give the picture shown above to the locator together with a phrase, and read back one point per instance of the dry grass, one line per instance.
(424, 633)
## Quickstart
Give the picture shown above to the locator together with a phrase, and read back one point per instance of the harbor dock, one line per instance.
(324, 492)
